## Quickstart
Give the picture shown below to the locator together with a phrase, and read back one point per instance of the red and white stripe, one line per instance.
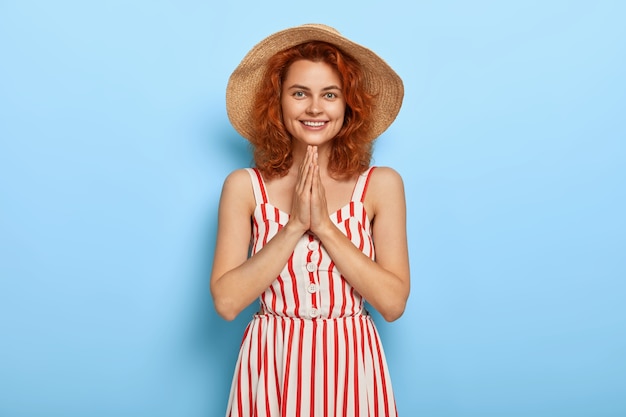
(311, 351)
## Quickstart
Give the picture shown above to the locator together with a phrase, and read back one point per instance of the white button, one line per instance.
(311, 288)
(314, 312)
(315, 256)
(311, 267)
(313, 245)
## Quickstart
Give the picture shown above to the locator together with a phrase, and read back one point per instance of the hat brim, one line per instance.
(380, 79)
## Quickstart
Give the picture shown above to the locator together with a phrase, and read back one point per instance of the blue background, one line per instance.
(114, 143)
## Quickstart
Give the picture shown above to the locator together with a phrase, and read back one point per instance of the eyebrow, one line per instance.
(303, 87)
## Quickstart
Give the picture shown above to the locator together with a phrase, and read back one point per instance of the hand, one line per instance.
(319, 208)
(301, 205)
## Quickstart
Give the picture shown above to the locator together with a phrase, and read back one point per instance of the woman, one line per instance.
(299, 230)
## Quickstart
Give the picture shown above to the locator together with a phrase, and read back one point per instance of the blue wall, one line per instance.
(114, 143)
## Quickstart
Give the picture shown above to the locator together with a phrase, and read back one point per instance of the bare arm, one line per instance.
(385, 283)
(236, 280)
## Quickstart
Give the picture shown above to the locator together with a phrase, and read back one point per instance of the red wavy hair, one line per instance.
(351, 150)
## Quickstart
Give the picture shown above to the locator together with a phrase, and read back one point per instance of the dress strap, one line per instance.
(258, 185)
(361, 185)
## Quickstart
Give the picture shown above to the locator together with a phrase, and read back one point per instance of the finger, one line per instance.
(304, 160)
(308, 180)
(304, 170)
(318, 186)
(319, 208)
(315, 178)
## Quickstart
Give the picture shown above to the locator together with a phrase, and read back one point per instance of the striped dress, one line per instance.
(312, 350)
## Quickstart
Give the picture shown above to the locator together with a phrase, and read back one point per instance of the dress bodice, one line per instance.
(310, 286)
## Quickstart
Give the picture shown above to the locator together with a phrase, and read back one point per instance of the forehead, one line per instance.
(305, 71)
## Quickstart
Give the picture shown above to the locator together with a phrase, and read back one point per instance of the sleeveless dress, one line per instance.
(312, 350)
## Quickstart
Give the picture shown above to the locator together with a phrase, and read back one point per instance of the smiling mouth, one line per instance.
(313, 124)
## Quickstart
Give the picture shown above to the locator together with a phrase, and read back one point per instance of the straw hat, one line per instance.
(379, 78)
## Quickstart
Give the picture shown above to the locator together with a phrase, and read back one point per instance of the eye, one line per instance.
(299, 94)
(330, 95)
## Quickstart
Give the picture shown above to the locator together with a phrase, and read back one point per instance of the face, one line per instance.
(312, 102)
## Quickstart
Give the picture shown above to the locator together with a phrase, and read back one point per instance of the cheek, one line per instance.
(341, 109)
(288, 109)
(341, 113)
(289, 127)
(284, 114)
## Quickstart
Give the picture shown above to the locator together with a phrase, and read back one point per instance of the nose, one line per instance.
(314, 107)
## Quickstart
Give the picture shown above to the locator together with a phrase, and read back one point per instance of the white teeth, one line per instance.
(314, 124)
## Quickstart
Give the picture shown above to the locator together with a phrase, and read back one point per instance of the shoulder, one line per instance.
(237, 189)
(385, 173)
(238, 178)
(383, 178)
(385, 188)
